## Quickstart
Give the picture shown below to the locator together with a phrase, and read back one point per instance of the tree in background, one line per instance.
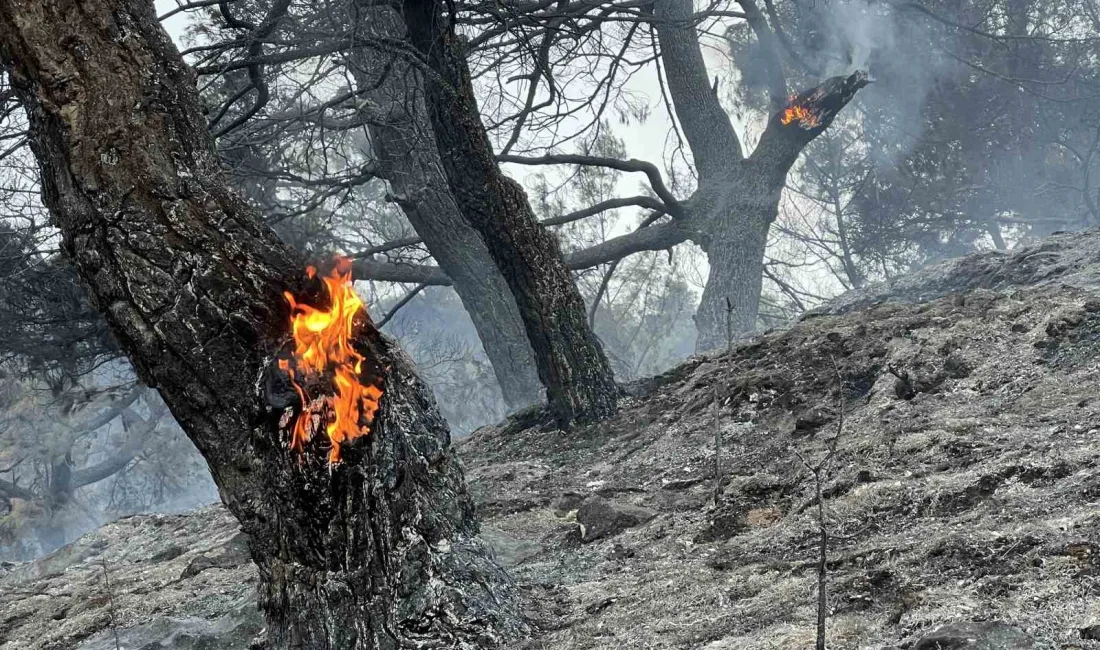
(976, 135)
(79, 442)
(56, 464)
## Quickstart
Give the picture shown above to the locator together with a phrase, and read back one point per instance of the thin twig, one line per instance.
(819, 472)
(729, 325)
(111, 603)
(401, 303)
(716, 407)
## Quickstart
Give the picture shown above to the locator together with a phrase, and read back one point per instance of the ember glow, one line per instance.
(805, 117)
(323, 349)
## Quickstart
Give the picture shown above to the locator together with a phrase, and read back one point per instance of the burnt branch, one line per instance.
(805, 116)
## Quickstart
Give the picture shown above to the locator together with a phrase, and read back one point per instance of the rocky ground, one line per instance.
(954, 418)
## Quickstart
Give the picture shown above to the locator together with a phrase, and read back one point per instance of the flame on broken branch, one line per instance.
(795, 112)
(323, 350)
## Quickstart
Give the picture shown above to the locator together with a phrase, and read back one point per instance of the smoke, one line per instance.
(903, 53)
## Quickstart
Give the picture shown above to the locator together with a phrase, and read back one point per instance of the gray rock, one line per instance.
(994, 635)
(509, 551)
(601, 518)
(232, 631)
(566, 502)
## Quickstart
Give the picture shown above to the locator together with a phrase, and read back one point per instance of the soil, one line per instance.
(954, 418)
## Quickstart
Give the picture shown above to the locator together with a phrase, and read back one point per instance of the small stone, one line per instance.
(682, 484)
(809, 421)
(566, 502)
(600, 605)
(172, 552)
(197, 566)
(601, 518)
(620, 552)
(993, 635)
(956, 366)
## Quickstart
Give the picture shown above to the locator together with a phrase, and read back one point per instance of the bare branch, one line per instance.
(256, 79)
(672, 205)
(13, 491)
(603, 206)
(369, 269)
(655, 238)
(121, 458)
(401, 303)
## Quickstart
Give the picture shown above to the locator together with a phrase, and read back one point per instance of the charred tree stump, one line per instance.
(377, 551)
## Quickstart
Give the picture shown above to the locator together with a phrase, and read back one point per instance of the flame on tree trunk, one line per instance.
(377, 551)
(323, 348)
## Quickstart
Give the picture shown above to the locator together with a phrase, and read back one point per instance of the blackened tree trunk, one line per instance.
(571, 364)
(407, 157)
(375, 552)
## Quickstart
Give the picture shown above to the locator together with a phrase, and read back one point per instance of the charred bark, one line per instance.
(738, 215)
(376, 552)
(408, 159)
(571, 364)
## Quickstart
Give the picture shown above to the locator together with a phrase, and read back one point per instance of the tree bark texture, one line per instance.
(378, 551)
(571, 364)
(406, 156)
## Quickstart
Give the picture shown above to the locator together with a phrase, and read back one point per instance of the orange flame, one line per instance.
(322, 339)
(806, 118)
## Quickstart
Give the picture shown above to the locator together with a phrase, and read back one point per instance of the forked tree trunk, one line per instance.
(376, 552)
(737, 199)
(579, 383)
(404, 145)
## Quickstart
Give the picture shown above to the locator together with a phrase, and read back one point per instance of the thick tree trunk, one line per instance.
(376, 552)
(730, 302)
(737, 199)
(571, 364)
(406, 153)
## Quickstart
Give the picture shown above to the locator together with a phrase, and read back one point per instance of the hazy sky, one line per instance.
(651, 140)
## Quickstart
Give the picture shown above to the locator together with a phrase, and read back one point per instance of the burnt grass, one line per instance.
(965, 484)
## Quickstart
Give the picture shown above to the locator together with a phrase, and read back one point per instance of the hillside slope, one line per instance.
(962, 405)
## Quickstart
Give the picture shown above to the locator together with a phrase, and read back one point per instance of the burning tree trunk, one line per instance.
(405, 149)
(571, 364)
(737, 200)
(735, 216)
(377, 551)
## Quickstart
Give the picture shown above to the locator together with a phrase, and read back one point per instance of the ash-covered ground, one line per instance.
(963, 498)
